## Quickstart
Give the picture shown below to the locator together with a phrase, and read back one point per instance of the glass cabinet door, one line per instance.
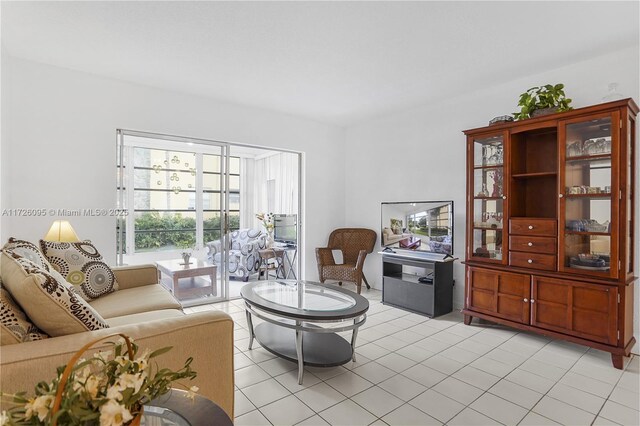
(588, 196)
(488, 199)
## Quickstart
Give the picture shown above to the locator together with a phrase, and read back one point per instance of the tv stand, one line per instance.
(402, 288)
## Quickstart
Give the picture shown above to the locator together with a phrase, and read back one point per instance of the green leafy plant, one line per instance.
(108, 389)
(536, 98)
(155, 231)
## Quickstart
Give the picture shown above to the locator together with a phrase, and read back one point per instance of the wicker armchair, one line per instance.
(355, 244)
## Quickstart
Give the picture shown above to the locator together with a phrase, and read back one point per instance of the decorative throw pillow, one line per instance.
(29, 250)
(51, 304)
(81, 264)
(14, 325)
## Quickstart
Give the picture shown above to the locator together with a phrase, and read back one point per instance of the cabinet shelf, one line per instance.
(488, 228)
(487, 198)
(492, 166)
(566, 231)
(589, 157)
(533, 175)
(598, 195)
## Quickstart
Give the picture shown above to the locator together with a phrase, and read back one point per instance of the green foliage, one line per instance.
(155, 231)
(547, 96)
(108, 388)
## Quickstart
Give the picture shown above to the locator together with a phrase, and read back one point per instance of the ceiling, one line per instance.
(335, 62)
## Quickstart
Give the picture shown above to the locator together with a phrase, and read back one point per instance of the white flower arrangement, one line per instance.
(108, 389)
(268, 221)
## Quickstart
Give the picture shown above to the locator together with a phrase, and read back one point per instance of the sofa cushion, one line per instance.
(14, 325)
(29, 250)
(135, 300)
(144, 317)
(48, 300)
(81, 264)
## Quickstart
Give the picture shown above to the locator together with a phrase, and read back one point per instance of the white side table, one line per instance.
(176, 269)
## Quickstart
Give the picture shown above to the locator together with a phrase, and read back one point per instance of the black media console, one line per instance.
(419, 283)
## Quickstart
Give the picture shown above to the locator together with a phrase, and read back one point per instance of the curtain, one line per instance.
(276, 184)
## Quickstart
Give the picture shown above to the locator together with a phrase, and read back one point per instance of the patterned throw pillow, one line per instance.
(29, 250)
(51, 304)
(14, 325)
(81, 264)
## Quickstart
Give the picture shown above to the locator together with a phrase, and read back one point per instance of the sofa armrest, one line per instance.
(135, 275)
(205, 336)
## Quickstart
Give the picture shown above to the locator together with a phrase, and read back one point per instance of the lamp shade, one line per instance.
(62, 231)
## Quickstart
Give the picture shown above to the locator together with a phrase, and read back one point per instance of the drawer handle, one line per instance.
(532, 300)
(560, 195)
(530, 226)
(529, 260)
(504, 197)
(526, 300)
(530, 244)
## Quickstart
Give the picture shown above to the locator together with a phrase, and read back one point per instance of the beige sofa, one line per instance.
(148, 313)
(388, 237)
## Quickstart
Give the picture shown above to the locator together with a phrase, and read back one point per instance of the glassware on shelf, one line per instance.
(590, 147)
(496, 156)
(483, 192)
(496, 176)
(574, 149)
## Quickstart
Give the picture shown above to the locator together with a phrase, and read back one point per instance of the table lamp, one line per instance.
(61, 231)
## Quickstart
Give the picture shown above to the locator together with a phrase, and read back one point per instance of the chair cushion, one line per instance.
(81, 264)
(48, 300)
(144, 317)
(14, 324)
(134, 301)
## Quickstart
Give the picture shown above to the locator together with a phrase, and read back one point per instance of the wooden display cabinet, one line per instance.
(551, 225)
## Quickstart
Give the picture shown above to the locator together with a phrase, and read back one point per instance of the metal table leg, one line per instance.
(353, 342)
(299, 353)
(250, 325)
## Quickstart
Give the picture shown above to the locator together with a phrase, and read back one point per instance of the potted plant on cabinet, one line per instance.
(542, 100)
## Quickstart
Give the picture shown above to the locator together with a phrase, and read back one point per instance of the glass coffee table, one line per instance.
(176, 409)
(302, 320)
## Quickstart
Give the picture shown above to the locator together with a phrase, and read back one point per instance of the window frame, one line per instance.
(127, 165)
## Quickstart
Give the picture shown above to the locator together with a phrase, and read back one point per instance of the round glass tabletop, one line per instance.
(303, 295)
(161, 416)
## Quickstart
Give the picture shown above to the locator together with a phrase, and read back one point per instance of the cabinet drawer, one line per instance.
(545, 245)
(546, 262)
(533, 226)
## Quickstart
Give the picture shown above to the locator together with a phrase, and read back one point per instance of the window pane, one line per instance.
(211, 182)
(234, 183)
(164, 231)
(157, 158)
(164, 200)
(234, 165)
(211, 201)
(234, 201)
(211, 225)
(164, 179)
(211, 163)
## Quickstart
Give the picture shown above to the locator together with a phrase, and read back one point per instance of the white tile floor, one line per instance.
(411, 370)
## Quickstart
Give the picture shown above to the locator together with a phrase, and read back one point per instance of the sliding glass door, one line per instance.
(234, 210)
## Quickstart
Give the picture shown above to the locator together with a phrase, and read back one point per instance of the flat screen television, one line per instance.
(285, 228)
(419, 226)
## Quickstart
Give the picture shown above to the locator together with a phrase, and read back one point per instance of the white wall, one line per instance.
(386, 157)
(60, 147)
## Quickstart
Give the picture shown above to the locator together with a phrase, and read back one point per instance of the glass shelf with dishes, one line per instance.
(488, 206)
(587, 204)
